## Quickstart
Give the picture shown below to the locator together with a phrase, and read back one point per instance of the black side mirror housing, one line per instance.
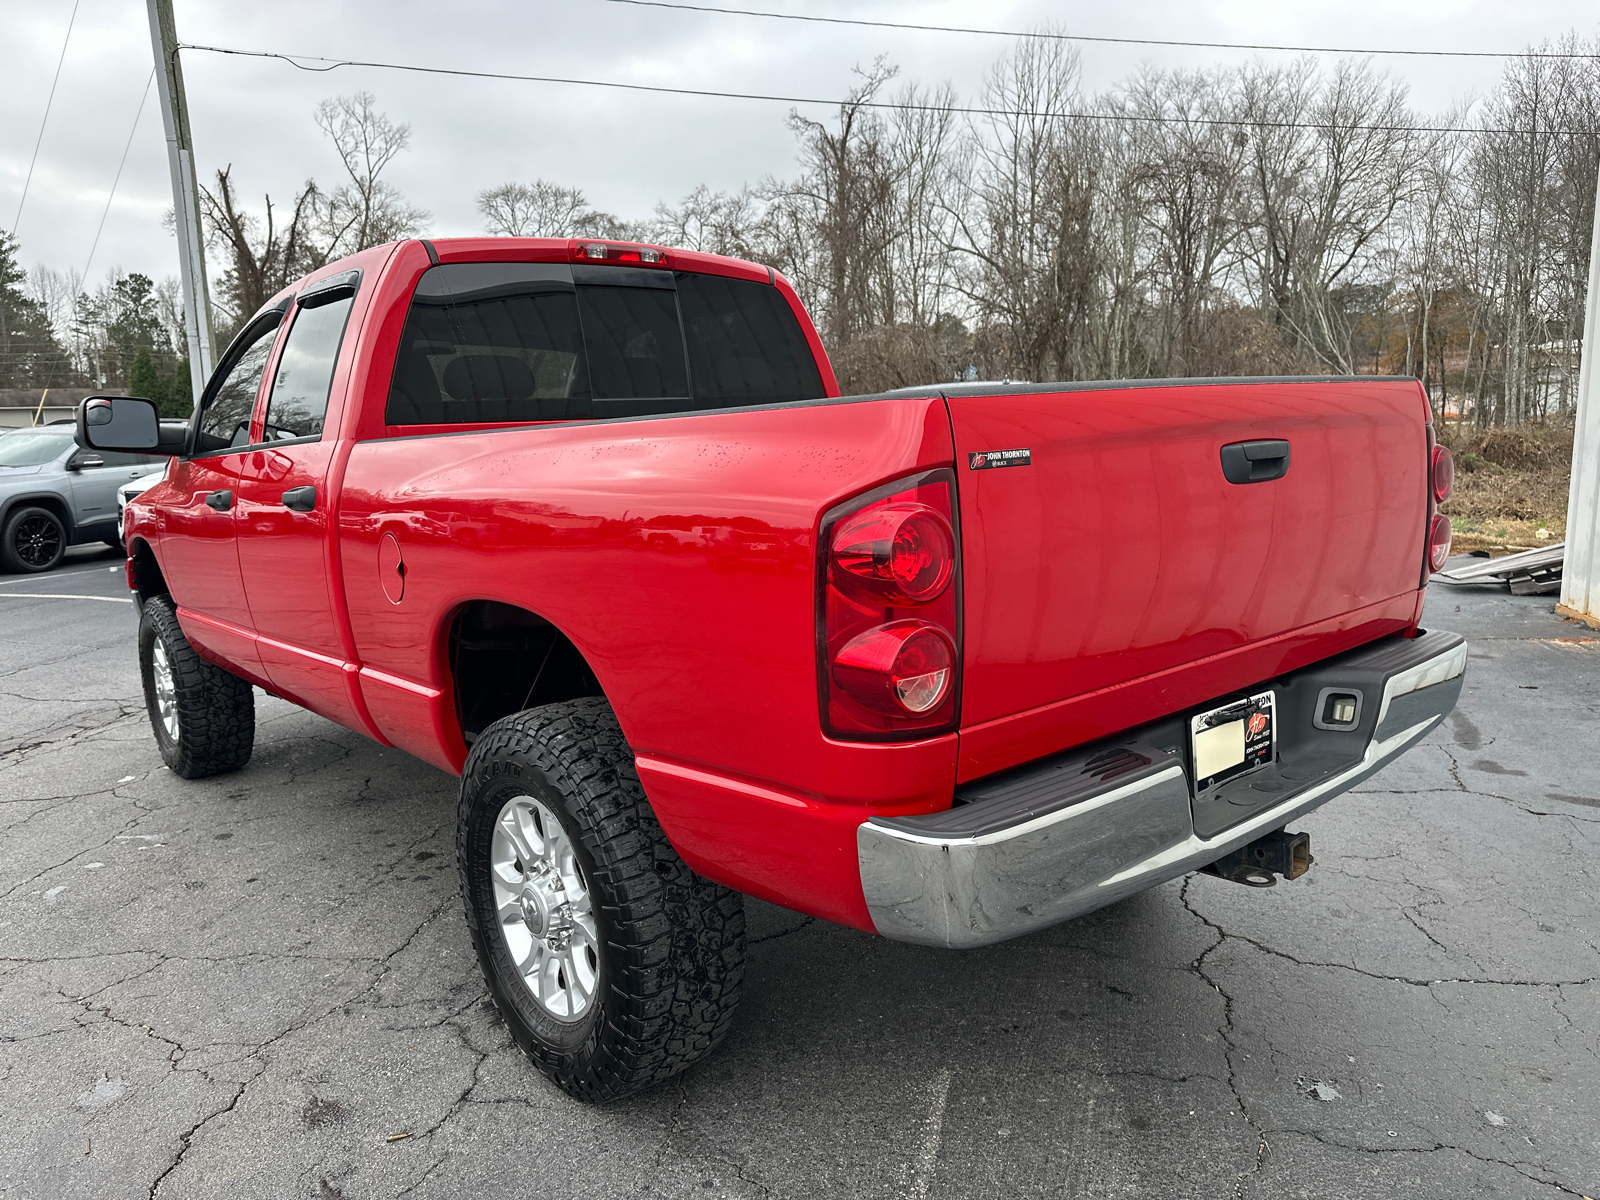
(128, 424)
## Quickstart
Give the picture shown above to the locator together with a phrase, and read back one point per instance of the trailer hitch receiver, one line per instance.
(1256, 865)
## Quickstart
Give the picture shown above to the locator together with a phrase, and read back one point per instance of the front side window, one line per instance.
(225, 419)
(298, 401)
(486, 342)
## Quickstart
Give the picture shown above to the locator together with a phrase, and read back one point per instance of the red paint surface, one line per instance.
(1123, 557)
(1115, 580)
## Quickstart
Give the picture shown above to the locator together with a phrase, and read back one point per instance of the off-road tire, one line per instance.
(216, 710)
(33, 540)
(672, 961)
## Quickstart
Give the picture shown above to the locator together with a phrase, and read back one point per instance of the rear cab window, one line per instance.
(525, 342)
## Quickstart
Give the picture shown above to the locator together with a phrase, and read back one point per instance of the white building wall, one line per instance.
(1580, 575)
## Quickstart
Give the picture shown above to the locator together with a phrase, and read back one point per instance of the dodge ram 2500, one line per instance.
(589, 524)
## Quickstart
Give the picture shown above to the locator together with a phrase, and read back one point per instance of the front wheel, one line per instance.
(203, 717)
(614, 965)
(34, 539)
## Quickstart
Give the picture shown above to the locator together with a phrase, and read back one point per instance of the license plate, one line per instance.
(1231, 739)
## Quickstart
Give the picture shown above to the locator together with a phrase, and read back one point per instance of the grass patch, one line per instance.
(1511, 484)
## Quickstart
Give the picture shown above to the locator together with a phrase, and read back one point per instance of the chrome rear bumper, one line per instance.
(959, 879)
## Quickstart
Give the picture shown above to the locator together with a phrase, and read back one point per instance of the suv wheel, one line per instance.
(33, 540)
(614, 965)
(204, 718)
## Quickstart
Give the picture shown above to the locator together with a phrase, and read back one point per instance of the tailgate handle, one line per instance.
(221, 501)
(300, 499)
(1255, 462)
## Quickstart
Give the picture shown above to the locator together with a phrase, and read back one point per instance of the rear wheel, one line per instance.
(33, 540)
(203, 717)
(614, 965)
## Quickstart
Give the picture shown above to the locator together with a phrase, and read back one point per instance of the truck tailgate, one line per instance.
(1117, 552)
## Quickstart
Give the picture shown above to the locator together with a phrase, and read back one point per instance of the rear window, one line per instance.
(544, 341)
(745, 347)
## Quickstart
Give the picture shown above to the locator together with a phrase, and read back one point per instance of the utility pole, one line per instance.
(1580, 572)
(185, 195)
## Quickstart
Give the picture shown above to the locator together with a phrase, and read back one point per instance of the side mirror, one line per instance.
(125, 423)
(79, 462)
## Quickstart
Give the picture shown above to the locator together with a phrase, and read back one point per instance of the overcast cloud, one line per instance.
(625, 150)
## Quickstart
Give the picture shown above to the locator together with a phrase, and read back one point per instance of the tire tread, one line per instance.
(216, 709)
(676, 939)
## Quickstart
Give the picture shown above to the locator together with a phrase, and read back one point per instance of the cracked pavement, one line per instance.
(260, 985)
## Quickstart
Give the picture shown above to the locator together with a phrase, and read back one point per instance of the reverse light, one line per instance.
(889, 612)
(903, 552)
(902, 668)
(1438, 542)
(618, 252)
(1443, 473)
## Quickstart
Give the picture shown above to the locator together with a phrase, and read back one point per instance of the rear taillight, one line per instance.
(618, 252)
(889, 612)
(1443, 474)
(904, 553)
(1438, 542)
(903, 669)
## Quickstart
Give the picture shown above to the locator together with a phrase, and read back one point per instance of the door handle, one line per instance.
(221, 501)
(300, 499)
(1255, 462)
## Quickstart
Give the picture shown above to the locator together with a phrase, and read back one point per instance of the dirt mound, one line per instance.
(1535, 446)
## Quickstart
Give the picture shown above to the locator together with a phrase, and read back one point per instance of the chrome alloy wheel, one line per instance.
(542, 902)
(166, 690)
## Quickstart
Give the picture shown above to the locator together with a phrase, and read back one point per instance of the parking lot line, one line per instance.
(61, 575)
(59, 596)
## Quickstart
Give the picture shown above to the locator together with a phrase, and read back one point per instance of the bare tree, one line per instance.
(922, 160)
(1189, 184)
(54, 291)
(1025, 228)
(1421, 231)
(712, 222)
(832, 220)
(368, 210)
(537, 209)
(1332, 159)
(263, 256)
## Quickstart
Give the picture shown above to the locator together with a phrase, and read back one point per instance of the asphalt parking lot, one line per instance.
(260, 985)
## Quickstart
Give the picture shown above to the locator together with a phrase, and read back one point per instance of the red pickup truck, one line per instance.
(589, 524)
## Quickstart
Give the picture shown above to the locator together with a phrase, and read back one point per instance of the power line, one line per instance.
(95, 245)
(300, 61)
(45, 119)
(1083, 37)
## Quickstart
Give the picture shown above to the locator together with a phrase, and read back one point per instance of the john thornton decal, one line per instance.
(984, 460)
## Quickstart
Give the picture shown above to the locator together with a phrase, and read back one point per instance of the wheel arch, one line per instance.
(149, 580)
(47, 500)
(501, 658)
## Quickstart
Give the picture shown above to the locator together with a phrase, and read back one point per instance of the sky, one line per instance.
(626, 150)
